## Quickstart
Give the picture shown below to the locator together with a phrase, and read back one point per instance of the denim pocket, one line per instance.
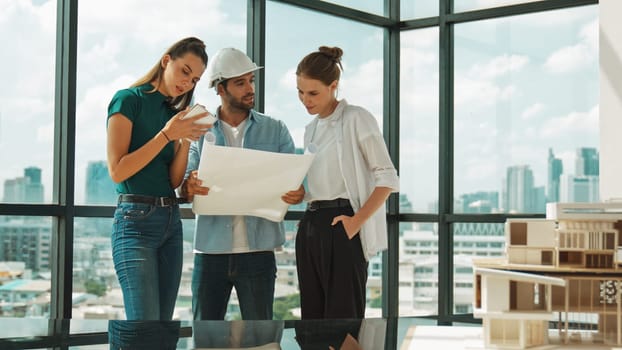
(137, 211)
(134, 219)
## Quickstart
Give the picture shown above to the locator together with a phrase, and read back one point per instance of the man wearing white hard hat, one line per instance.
(236, 251)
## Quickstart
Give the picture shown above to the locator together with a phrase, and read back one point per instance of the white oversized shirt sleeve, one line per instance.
(374, 150)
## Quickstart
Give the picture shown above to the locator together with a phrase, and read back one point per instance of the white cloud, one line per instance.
(571, 125)
(415, 154)
(480, 92)
(28, 72)
(363, 86)
(421, 39)
(103, 55)
(573, 57)
(419, 78)
(568, 59)
(415, 59)
(499, 66)
(167, 20)
(479, 86)
(532, 111)
(288, 80)
(298, 136)
(91, 119)
(17, 14)
(45, 133)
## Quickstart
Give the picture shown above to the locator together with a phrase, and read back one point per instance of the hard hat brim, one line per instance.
(213, 83)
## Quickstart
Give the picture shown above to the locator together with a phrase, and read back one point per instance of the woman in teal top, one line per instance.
(147, 154)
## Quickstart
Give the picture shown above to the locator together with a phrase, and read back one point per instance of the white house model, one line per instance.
(563, 272)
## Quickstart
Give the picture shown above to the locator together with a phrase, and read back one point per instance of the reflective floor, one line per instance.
(368, 334)
(28, 333)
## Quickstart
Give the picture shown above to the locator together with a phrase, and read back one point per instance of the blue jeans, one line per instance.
(252, 274)
(147, 250)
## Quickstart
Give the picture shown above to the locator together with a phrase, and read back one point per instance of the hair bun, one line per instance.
(334, 52)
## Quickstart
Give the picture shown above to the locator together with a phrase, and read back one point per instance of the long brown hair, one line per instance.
(323, 65)
(187, 45)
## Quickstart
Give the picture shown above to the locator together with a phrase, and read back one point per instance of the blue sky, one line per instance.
(523, 84)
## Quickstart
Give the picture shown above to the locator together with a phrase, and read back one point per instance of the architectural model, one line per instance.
(560, 281)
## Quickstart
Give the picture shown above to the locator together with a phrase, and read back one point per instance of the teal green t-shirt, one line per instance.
(148, 112)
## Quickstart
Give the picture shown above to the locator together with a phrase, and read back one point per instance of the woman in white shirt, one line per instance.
(348, 183)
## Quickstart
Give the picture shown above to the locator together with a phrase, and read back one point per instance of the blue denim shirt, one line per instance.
(214, 233)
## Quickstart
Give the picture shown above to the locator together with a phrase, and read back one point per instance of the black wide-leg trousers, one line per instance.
(332, 270)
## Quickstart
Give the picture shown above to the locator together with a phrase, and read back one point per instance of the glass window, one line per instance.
(95, 286)
(418, 269)
(418, 9)
(372, 6)
(361, 81)
(526, 111)
(489, 242)
(96, 289)
(286, 295)
(27, 100)
(112, 57)
(25, 271)
(419, 121)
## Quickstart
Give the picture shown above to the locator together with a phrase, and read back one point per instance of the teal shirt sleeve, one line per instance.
(148, 113)
(125, 102)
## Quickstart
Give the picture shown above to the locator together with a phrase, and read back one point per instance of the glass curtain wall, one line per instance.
(112, 57)
(360, 83)
(26, 136)
(498, 114)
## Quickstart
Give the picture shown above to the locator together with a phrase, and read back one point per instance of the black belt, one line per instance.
(333, 203)
(157, 201)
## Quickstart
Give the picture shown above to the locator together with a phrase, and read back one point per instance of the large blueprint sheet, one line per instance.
(248, 182)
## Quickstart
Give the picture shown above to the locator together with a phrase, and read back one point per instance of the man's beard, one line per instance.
(238, 104)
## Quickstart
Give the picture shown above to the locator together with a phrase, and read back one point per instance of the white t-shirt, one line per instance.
(235, 138)
(324, 183)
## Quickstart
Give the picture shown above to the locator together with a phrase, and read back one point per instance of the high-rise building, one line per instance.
(479, 202)
(555, 169)
(586, 162)
(100, 188)
(584, 185)
(34, 174)
(26, 189)
(519, 190)
(579, 189)
(26, 240)
(14, 190)
(34, 187)
(538, 200)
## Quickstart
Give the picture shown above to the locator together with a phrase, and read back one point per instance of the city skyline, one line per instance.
(28, 240)
(518, 193)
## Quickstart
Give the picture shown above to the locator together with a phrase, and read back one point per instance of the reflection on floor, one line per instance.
(471, 338)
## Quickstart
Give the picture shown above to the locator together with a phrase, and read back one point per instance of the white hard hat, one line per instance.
(228, 63)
